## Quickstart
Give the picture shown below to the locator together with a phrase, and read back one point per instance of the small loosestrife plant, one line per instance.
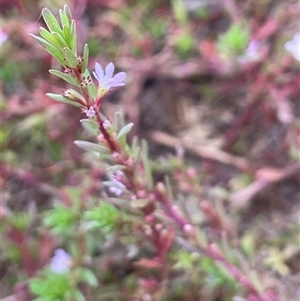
(141, 212)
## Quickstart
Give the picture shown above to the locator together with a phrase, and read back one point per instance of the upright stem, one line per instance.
(83, 91)
(111, 143)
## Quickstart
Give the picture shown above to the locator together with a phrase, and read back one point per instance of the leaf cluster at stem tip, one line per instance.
(60, 40)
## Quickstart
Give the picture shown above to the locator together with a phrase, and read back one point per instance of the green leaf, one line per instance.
(145, 159)
(68, 13)
(64, 19)
(73, 37)
(104, 216)
(184, 44)
(50, 286)
(61, 219)
(179, 12)
(21, 221)
(78, 296)
(91, 88)
(60, 40)
(70, 57)
(125, 130)
(63, 99)
(89, 146)
(90, 125)
(76, 95)
(119, 122)
(58, 30)
(234, 41)
(50, 20)
(47, 298)
(67, 35)
(56, 54)
(135, 150)
(47, 36)
(44, 42)
(85, 58)
(37, 286)
(89, 277)
(69, 78)
(52, 49)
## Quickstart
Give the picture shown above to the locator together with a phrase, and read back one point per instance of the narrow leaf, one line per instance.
(169, 190)
(49, 19)
(91, 88)
(77, 95)
(52, 49)
(78, 296)
(43, 42)
(85, 57)
(146, 163)
(90, 125)
(47, 36)
(64, 19)
(67, 35)
(58, 30)
(125, 130)
(56, 54)
(89, 146)
(60, 40)
(66, 77)
(63, 99)
(73, 37)
(70, 57)
(135, 147)
(68, 13)
(89, 277)
(119, 122)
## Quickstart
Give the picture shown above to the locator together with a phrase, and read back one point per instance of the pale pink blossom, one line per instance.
(90, 112)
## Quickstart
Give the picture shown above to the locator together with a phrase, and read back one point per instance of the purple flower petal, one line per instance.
(119, 77)
(293, 46)
(106, 79)
(3, 36)
(112, 83)
(109, 71)
(99, 72)
(96, 76)
(60, 262)
(109, 83)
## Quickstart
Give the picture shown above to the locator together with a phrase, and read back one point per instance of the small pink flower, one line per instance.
(90, 113)
(106, 124)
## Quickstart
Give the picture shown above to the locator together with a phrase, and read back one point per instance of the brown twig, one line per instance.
(202, 151)
(265, 177)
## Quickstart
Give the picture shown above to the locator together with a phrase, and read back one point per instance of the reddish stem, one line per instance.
(112, 145)
(86, 95)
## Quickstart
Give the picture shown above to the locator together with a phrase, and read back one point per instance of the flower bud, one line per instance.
(74, 95)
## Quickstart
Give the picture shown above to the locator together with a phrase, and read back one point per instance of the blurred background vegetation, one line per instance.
(211, 82)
